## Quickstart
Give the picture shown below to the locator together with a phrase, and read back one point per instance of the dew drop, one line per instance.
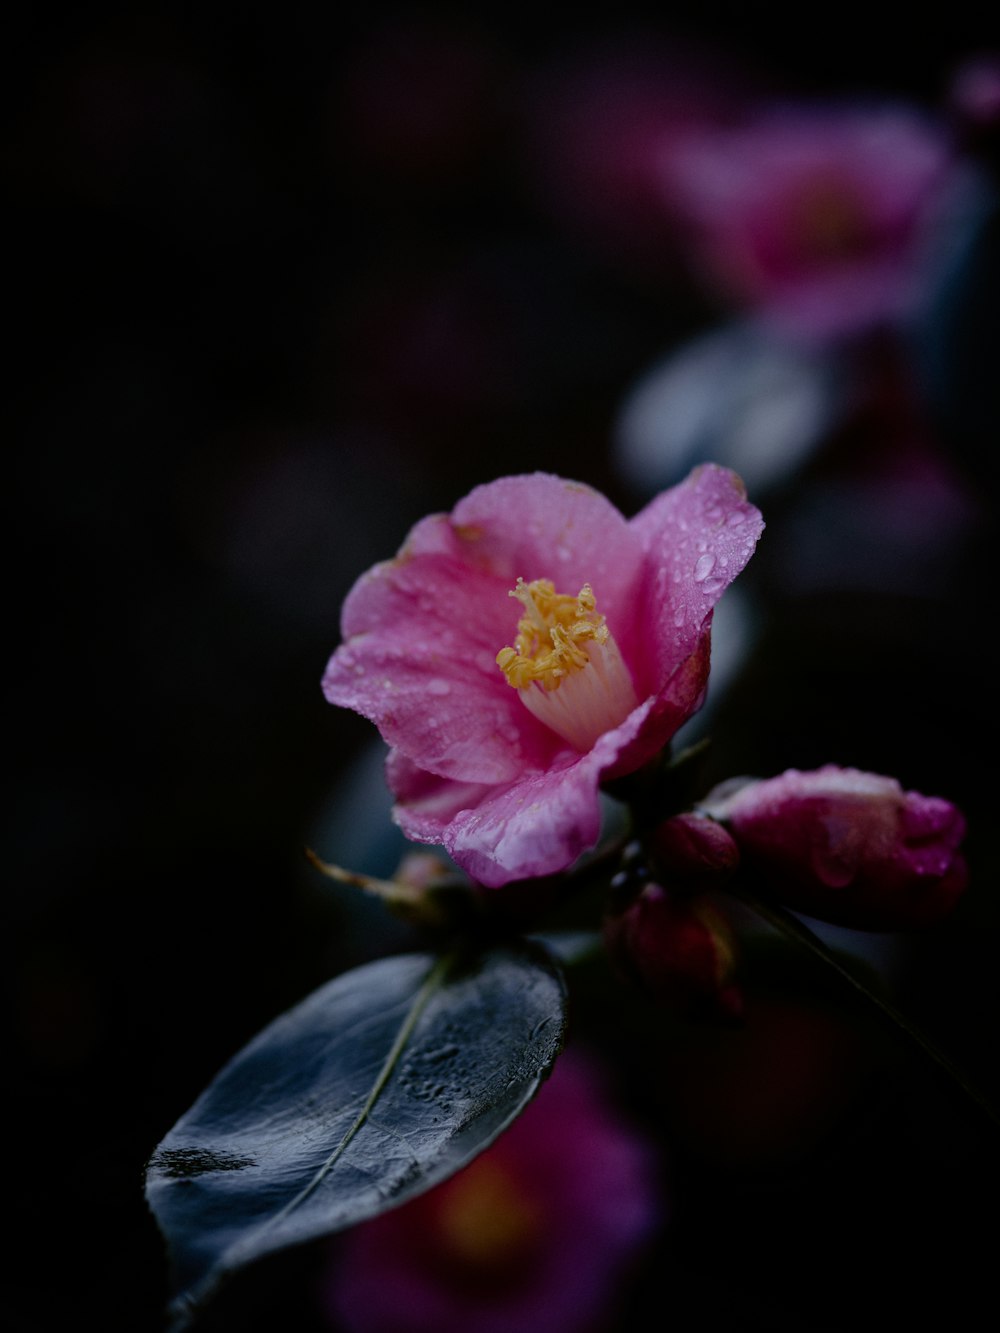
(679, 617)
(438, 687)
(704, 567)
(736, 519)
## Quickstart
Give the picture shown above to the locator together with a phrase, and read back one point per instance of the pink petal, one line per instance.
(698, 536)
(535, 826)
(427, 803)
(540, 526)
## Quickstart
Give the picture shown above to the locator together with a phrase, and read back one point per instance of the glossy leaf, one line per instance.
(379, 1085)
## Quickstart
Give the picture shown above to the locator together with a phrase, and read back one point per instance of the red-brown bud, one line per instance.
(679, 950)
(692, 850)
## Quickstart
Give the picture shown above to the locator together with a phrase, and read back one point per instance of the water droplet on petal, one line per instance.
(439, 687)
(704, 567)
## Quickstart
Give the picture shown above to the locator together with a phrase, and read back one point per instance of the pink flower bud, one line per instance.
(692, 849)
(848, 847)
(678, 950)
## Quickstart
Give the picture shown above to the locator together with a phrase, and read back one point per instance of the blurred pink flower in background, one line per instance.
(540, 1232)
(816, 216)
(848, 847)
(608, 664)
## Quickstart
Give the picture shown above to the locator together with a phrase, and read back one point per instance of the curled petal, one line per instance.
(697, 537)
(526, 829)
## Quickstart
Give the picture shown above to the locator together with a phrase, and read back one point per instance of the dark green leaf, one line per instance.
(379, 1085)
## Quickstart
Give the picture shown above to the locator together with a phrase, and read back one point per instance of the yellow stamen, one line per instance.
(486, 1220)
(566, 663)
(551, 634)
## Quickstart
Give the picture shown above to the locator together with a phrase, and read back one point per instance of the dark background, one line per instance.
(282, 281)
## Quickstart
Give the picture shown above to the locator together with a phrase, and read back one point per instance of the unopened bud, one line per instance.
(848, 847)
(692, 850)
(677, 949)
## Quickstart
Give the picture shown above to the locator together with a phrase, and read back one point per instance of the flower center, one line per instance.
(486, 1222)
(829, 222)
(566, 665)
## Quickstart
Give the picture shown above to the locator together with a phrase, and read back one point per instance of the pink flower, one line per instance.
(814, 216)
(848, 847)
(505, 716)
(538, 1233)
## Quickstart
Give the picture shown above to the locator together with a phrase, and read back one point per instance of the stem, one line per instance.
(792, 928)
